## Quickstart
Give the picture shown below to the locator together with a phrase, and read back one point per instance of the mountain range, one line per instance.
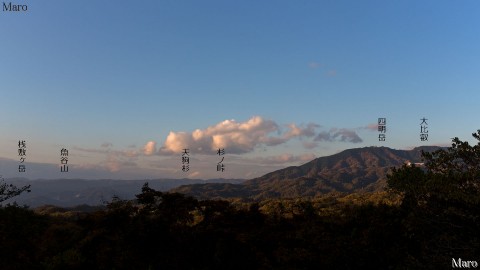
(73, 192)
(353, 170)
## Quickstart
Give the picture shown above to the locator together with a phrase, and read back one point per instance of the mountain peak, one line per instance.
(351, 170)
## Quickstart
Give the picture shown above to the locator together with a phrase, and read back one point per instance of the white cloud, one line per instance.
(176, 141)
(245, 137)
(150, 148)
(235, 137)
(296, 131)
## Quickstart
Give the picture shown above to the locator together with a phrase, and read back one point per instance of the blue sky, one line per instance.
(124, 85)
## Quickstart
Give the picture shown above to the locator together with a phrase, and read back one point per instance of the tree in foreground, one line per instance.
(8, 191)
(441, 202)
(449, 176)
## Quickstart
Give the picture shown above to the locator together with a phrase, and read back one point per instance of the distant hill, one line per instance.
(352, 170)
(74, 192)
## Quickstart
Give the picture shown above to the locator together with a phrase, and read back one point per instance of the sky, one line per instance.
(126, 86)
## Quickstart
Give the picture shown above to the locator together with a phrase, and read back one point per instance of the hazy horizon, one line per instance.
(50, 171)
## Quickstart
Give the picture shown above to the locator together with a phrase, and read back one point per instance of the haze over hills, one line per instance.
(73, 192)
(353, 170)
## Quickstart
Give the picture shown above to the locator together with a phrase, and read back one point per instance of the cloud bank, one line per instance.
(244, 137)
(236, 137)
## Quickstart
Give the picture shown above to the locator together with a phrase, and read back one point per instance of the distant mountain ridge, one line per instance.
(73, 192)
(352, 170)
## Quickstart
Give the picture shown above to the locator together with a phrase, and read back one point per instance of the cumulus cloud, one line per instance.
(237, 137)
(295, 131)
(343, 135)
(245, 137)
(150, 148)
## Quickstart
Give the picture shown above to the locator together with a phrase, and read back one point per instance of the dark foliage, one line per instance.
(441, 204)
(437, 220)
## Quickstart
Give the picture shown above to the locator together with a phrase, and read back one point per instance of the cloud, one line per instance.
(332, 73)
(371, 127)
(115, 160)
(235, 137)
(194, 174)
(90, 150)
(310, 145)
(342, 135)
(112, 164)
(150, 148)
(295, 131)
(324, 136)
(106, 145)
(314, 65)
(346, 135)
(123, 153)
(128, 153)
(245, 137)
(329, 71)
